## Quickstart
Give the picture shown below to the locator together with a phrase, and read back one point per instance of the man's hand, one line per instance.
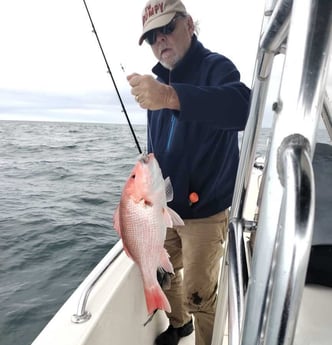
(151, 94)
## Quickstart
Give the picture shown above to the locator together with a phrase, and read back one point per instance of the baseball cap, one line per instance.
(158, 13)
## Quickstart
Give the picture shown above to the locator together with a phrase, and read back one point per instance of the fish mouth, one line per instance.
(144, 158)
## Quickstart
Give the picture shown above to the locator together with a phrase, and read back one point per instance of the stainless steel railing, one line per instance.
(82, 314)
(294, 235)
(302, 30)
(327, 115)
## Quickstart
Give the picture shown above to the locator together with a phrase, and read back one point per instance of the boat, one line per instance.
(263, 295)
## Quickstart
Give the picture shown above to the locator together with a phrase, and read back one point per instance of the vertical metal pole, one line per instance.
(327, 115)
(273, 38)
(294, 239)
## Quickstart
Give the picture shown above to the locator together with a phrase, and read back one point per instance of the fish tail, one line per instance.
(156, 299)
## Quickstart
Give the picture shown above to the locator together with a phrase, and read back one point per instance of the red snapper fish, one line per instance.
(141, 219)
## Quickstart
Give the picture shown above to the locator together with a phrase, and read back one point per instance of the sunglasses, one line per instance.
(151, 36)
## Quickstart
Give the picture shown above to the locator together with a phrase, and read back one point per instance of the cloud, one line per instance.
(83, 107)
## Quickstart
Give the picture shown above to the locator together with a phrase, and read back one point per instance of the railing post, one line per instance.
(82, 314)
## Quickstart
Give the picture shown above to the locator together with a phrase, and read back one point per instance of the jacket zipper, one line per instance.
(170, 133)
(171, 130)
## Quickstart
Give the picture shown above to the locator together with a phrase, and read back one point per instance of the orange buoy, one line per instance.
(193, 197)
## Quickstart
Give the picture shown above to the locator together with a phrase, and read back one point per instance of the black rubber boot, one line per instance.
(172, 335)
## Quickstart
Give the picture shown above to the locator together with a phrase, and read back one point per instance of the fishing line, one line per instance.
(114, 83)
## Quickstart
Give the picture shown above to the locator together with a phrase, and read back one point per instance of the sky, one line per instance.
(51, 67)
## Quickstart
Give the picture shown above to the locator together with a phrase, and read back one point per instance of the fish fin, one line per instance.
(165, 263)
(150, 318)
(116, 220)
(156, 299)
(175, 218)
(167, 218)
(168, 189)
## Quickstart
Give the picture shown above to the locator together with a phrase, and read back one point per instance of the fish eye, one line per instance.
(133, 176)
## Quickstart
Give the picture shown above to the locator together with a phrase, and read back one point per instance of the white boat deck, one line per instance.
(314, 323)
(314, 326)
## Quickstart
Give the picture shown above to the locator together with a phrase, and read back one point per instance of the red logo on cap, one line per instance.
(152, 10)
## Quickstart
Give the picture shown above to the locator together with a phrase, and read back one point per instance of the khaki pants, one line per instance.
(196, 247)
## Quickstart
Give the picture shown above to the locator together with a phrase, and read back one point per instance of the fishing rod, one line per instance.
(114, 83)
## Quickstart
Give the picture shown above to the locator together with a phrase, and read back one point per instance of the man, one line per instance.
(195, 108)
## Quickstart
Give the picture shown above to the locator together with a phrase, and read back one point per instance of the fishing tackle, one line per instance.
(110, 73)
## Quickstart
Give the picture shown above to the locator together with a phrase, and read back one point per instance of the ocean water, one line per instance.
(59, 186)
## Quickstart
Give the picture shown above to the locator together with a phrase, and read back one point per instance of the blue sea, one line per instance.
(60, 184)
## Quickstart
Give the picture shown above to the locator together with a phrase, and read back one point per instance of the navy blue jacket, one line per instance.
(197, 147)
